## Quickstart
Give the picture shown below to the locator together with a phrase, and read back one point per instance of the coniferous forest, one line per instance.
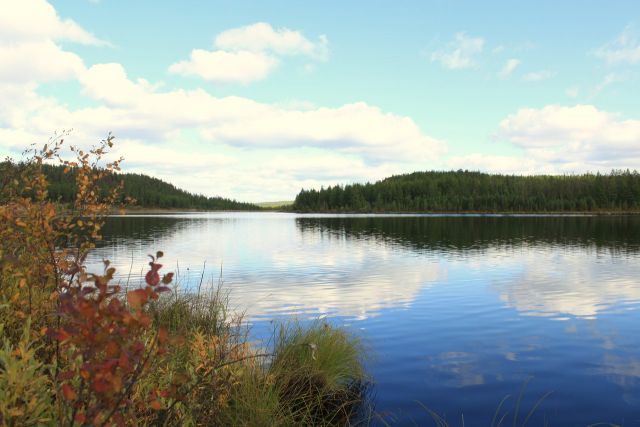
(148, 192)
(466, 191)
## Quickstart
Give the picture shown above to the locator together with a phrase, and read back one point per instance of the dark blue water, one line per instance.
(459, 312)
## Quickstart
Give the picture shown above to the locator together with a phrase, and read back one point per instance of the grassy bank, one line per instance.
(209, 374)
(76, 348)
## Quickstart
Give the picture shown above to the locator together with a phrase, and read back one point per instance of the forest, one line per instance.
(148, 192)
(467, 191)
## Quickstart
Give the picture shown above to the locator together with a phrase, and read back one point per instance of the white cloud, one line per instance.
(538, 76)
(249, 53)
(226, 67)
(141, 157)
(624, 49)
(575, 138)
(29, 32)
(356, 128)
(37, 20)
(509, 67)
(262, 37)
(37, 61)
(459, 53)
(231, 135)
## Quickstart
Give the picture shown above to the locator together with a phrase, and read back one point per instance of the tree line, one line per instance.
(467, 191)
(148, 192)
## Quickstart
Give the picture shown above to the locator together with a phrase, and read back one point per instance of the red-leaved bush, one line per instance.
(109, 343)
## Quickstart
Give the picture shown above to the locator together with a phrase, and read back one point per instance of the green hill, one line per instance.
(148, 192)
(465, 191)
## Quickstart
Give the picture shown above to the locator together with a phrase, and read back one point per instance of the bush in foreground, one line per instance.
(77, 349)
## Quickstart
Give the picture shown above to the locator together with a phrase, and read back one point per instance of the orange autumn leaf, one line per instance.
(68, 392)
(155, 404)
(137, 298)
(112, 349)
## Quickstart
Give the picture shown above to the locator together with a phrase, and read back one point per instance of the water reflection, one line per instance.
(460, 311)
(561, 285)
(270, 263)
(541, 266)
(472, 234)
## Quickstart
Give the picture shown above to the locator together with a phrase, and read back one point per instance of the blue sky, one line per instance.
(256, 99)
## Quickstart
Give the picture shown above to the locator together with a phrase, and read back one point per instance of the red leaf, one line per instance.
(68, 392)
(112, 349)
(63, 335)
(137, 298)
(167, 278)
(101, 386)
(152, 277)
(155, 404)
(123, 361)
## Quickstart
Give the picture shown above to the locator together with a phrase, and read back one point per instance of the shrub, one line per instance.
(76, 349)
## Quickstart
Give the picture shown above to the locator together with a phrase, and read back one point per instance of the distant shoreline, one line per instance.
(149, 211)
(477, 213)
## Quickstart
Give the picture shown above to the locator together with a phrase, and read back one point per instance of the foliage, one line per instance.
(24, 383)
(109, 344)
(465, 191)
(76, 349)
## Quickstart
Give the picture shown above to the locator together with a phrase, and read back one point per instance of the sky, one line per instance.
(255, 100)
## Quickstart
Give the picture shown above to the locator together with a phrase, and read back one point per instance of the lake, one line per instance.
(459, 312)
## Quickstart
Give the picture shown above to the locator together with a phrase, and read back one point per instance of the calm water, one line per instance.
(458, 311)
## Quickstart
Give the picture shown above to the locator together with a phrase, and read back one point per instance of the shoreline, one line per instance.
(151, 211)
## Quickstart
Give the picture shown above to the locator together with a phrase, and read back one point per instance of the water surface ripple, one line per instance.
(458, 311)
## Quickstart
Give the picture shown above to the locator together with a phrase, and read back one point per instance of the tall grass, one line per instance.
(306, 375)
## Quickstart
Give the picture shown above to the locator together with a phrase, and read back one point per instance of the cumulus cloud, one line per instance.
(249, 53)
(356, 128)
(37, 61)
(575, 138)
(37, 20)
(226, 67)
(624, 49)
(29, 32)
(459, 53)
(352, 142)
(262, 37)
(509, 67)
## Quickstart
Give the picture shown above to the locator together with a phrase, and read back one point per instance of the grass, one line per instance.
(318, 372)
(305, 375)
